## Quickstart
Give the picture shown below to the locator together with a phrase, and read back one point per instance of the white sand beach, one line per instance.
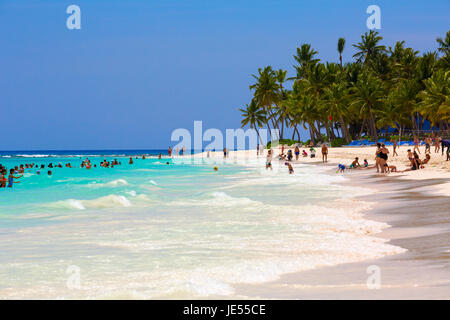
(416, 206)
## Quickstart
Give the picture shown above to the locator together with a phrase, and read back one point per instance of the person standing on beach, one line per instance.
(383, 157)
(224, 153)
(377, 157)
(257, 150)
(324, 153)
(170, 151)
(297, 152)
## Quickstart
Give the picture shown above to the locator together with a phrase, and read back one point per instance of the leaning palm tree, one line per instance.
(254, 117)
(369, 47)
(340, 48)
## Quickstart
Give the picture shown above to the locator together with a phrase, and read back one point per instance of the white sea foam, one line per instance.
(110, 201)
(114, 183)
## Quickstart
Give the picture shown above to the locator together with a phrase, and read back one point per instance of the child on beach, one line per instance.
(313, 152)
(304, 154)
(355, 164)
(366, 163)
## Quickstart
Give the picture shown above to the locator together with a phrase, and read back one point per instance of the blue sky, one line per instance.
(139, 69)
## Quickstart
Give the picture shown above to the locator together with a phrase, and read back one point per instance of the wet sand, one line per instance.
(420, 223)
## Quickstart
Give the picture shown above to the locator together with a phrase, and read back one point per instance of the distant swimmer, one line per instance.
(215, 168)
(159, 156)
(131, 160)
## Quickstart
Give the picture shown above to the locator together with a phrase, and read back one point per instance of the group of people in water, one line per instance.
(8, 180)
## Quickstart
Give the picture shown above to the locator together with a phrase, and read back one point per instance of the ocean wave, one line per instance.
(114, 183)
(218, 199)
(110, 201)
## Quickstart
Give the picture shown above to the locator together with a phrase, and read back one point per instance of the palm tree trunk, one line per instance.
(362, 128)
(344, 129)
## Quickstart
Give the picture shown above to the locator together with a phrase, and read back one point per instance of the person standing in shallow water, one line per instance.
(11, 178)
(131, 160)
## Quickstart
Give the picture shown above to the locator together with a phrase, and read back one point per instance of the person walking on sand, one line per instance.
(428, 145)
(437, 144)
(416, 144)
(324, 153)
(394, 147)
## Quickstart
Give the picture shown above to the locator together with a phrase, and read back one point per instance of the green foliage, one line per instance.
(286, 142)
(338, 142)
(395, 86)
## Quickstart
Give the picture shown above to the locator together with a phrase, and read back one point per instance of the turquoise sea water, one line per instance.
(183, 230)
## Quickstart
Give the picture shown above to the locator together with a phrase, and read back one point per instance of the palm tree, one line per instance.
(340, 48)
(305, 57)
(266, 92)
(280, 111)
(367, 94)
(369, 47)
(336, 102)
(436, 98)
(444, 44)
(254, 116)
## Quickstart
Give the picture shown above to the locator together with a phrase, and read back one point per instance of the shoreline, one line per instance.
(414, 204)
